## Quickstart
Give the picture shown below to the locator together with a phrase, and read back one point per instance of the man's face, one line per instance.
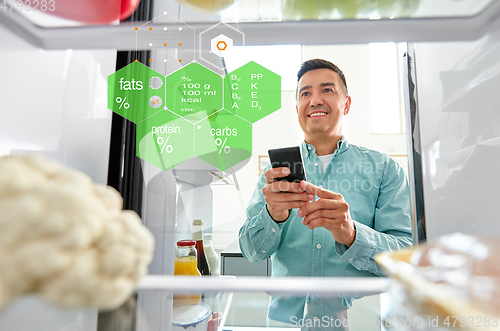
(321, 103)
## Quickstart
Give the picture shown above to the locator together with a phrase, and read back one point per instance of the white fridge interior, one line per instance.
(452, 136)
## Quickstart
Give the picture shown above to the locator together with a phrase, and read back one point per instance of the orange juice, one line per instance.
(186, 265)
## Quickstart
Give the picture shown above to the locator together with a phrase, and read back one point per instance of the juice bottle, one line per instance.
(185, 265)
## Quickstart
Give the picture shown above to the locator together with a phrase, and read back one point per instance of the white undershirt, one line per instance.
(325, 159)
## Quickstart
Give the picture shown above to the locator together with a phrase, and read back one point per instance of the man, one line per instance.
(354, 204)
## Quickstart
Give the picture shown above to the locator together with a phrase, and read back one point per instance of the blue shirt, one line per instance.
(376, 189)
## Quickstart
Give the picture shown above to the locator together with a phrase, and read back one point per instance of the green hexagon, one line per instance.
(194, 92)
(223, 139)
(136, 92)
(165, 140)
(252, 92)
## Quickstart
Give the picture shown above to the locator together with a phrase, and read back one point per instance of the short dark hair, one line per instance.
(320, 64)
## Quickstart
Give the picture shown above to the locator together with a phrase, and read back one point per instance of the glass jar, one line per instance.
(185, 265)
(185, 258)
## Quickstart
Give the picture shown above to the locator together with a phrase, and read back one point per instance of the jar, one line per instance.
(185, 258)
(185, 265)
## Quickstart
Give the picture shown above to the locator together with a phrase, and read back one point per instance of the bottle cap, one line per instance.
(185, 243)
(207, 236)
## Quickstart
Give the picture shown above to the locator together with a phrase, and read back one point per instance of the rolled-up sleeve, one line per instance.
(391, 225)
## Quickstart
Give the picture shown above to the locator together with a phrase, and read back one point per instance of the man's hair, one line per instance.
(321, 64)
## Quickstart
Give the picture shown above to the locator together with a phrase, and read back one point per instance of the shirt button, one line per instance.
(273, 230)
(316, 164)
(307, 154)
(318, 246)
(309, 147)
(349, 260)
(263, 251)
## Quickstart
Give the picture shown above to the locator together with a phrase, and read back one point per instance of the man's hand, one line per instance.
(331, 211)
(281, 196)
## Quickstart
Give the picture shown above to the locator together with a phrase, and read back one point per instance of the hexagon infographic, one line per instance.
(223, 139)
(181, 115)
(221, 45)
(252, 92)
(165, 140)
(218, 34)
(136, 92)
(194, 92)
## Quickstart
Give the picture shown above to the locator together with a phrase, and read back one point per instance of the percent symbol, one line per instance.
(122, 103)
(219, 142)
(186, 78)
(163, 142)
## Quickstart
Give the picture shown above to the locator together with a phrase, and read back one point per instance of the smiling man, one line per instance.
(355, 204)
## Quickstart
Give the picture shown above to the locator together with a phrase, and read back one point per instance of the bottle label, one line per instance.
(197, 233)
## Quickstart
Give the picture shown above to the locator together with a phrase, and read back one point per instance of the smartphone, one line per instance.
(291, 158)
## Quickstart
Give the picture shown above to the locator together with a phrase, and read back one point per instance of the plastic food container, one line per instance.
(191, 317)
(455, 278)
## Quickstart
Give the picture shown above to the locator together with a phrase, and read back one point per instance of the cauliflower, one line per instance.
(66, 238)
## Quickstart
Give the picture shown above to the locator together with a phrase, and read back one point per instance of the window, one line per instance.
(385, 86)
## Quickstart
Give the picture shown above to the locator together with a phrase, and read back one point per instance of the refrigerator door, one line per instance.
(459, 109)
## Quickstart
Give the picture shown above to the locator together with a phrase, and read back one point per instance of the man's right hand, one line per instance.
(281, 196)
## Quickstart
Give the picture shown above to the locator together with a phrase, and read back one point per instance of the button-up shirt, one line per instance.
(376, 190)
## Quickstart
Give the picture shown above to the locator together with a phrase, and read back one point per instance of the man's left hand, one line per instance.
(331, 211)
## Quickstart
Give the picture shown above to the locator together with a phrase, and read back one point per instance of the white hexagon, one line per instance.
(221, 45)
(237, 36)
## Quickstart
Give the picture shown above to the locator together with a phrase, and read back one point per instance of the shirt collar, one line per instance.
(342, 146)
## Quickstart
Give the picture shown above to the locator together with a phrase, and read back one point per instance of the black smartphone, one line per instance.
(291, 158)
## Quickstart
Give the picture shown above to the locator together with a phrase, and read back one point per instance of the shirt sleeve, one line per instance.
(392, 223)
(260, 235)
